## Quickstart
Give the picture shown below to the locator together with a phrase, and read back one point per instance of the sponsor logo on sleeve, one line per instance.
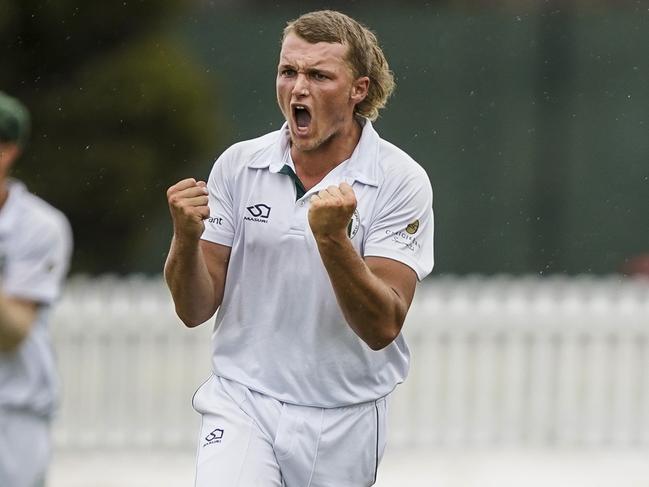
(412, 227)
(215, 220)
(405, 239)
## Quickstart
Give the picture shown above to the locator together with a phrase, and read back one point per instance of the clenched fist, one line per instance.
(187, 201)
(331, 210)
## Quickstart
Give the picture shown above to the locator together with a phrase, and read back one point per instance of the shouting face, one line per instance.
(316, 91)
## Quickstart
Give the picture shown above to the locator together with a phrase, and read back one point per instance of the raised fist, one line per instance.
(331, 210)
(187, 201)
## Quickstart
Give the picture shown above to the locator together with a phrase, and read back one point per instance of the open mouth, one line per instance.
(302, 117)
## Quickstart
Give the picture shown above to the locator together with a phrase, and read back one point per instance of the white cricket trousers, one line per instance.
(24, 449)
(248, 439)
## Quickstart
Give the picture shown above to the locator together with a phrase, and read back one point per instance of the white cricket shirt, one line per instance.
(35, 247)
(279, 329)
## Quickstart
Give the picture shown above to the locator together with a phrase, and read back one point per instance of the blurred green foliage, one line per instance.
(120, 112)
(529, 117)
(531, 120)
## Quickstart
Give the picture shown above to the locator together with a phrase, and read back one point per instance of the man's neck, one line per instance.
(312, 166)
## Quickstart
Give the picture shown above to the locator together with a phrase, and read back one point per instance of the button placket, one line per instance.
(298, 220)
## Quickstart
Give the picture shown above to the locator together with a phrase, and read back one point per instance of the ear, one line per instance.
(9, 152)
(359, 89)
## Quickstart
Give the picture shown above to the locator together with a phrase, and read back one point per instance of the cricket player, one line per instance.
(309, 241)
(35, 246)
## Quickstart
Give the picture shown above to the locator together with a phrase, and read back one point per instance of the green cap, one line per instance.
(14, 120)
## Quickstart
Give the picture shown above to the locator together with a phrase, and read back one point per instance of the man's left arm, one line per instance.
(33, 279)
(374, 294)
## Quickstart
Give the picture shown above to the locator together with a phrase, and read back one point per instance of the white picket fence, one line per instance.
(496, 362)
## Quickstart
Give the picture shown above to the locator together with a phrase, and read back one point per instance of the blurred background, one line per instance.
(531, 117)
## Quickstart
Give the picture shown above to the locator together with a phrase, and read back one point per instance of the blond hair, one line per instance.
(364, 55)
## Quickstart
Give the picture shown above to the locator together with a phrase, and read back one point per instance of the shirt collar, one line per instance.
(361, 166)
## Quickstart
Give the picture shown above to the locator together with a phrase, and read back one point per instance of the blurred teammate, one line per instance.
(35, 244)
(311, 248)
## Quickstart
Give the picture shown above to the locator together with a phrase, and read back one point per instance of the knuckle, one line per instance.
(173, 200)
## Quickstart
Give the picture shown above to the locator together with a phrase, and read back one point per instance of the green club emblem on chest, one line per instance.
(354, 224)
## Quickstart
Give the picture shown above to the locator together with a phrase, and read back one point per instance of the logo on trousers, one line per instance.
(214, 437)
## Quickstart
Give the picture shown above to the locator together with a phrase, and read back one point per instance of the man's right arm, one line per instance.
(195, 269)
(17, 317)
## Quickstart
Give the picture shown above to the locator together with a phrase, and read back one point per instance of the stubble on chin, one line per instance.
(312, 145)
(305, 146)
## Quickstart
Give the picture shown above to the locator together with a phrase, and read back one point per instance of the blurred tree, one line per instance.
(119, 111)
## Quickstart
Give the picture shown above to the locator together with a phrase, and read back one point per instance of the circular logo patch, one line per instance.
(354, 224)
(413, 227)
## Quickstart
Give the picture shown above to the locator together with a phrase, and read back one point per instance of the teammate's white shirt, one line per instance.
(280, 330)
(35, 247)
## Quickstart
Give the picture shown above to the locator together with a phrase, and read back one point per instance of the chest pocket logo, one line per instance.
(260, 213)
(354, 224)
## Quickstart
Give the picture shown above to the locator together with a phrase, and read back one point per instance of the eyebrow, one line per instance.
(310, 69)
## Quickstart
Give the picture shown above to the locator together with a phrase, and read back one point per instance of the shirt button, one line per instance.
(301, 203)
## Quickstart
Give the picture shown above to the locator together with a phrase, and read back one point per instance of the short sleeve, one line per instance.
(219, 227)
(38, 268)
(402, 226)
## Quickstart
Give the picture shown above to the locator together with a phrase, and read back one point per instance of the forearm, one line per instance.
(15, 322)
(195, 295)
(372, 309)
